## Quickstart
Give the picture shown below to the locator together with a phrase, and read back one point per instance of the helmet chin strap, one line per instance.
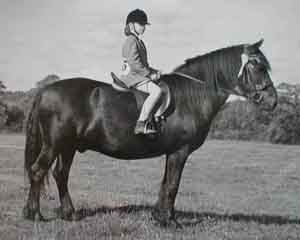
(135, 32)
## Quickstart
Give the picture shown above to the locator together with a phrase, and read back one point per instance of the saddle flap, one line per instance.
(140, 96)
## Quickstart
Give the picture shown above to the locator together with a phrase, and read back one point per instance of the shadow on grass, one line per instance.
(192, 218)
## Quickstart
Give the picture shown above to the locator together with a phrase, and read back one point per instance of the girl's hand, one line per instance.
(159, 73)
(155, 75)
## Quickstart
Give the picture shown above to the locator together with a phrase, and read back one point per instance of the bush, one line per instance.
(15, 119)
(239, 120)
(3, 116)
(285, 125)
(285, 129)
(14, 106)
(51, 78)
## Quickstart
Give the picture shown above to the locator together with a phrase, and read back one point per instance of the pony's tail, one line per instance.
(33, 143)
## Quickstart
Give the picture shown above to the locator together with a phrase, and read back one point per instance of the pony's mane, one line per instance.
(222, 55)
(201, 66)
(208, 68)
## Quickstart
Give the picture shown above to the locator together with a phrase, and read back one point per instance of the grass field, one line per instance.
(229, 190)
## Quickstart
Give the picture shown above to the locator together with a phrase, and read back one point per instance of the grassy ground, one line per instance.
(229, 190)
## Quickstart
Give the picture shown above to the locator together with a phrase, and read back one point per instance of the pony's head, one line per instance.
(253, 80)
(241, 70)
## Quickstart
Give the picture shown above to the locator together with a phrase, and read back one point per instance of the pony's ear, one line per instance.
(252, 48)
(258, 44)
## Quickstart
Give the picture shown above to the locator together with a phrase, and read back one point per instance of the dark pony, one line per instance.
(80, 114)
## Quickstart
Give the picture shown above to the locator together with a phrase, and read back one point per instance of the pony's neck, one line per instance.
(195, 99)
(219, 70)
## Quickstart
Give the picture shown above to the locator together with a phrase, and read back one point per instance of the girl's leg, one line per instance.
(154, 95)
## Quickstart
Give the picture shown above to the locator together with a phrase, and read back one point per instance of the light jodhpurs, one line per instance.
(155, 93)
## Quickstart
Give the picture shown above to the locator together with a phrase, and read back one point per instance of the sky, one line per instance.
(83, 38)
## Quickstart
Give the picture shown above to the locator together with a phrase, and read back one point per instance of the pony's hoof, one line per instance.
(33, 215)
(164, 221)
(69, 216)
(170, 223)
(174, 223)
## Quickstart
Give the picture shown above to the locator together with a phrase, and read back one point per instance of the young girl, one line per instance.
(136, 71)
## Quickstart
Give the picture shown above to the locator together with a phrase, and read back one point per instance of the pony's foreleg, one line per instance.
(169, 186)
(61, 176)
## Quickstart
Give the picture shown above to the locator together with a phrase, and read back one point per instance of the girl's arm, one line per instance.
(132, 55)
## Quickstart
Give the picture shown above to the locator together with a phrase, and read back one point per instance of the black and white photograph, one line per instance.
(149, 120)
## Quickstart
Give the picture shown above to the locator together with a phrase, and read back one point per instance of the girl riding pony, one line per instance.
(136, 71)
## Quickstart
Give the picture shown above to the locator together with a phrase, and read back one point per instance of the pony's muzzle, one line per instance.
(268, 98)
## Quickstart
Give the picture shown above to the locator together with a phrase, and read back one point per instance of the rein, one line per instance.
(189, 77)
(203, 82)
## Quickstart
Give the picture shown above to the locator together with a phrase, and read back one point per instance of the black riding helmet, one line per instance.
(138, 16)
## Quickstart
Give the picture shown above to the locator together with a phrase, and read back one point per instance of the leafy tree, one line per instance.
(51, 78)
(3, 115)
(15, 118)
(2, 87)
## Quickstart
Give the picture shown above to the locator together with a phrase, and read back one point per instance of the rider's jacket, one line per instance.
(135, 68)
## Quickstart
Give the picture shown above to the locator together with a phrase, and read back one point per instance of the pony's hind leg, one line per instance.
(44, 161)
(36, 176)
(31, 210)
(61, 176)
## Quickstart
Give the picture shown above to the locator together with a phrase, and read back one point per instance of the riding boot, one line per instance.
(141, 127)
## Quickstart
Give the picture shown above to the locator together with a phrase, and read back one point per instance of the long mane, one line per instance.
(221, 64)
(225, 60)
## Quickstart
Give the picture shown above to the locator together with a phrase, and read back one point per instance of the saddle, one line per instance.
(162, 108)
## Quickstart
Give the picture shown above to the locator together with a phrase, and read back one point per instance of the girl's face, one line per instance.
(140, 29)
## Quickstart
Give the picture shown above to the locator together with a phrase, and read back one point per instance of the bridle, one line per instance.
(244, 75)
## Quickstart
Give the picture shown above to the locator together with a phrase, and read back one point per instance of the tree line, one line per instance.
(238, 120)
